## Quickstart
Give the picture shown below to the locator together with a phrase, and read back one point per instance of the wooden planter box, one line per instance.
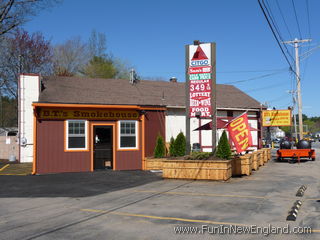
(197, 169)
(260, 157)
(265, 154)
(269, 153)
(154, 163)
(242, 165)
(254, 159)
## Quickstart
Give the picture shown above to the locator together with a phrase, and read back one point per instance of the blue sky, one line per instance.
(151, 36)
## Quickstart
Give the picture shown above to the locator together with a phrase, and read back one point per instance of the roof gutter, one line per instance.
(67, 105)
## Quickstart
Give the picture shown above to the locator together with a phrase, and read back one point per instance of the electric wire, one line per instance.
(296, 17)
(284, 21)
(308, 18)
(309, 35)
(274, 35)
(230, 71)
(270, 15)
(278, 84)
(279, 98)
(256, 78)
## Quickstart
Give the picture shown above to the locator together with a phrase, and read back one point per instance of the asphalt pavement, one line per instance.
(141, 205)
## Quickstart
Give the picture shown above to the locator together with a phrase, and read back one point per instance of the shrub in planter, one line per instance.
(180, 145)
(171, 148)
(223, 149)
(160, 149)
(199, 156)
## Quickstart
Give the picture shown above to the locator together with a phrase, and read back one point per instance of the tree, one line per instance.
(13, 13)
(171, 148)
(180, 145)
(97, 44)
(26, 53)
(100, 67)
(160, 149)
(223, 149)
(123, 68)
(75, 57)
(70, 57)
(8, 115)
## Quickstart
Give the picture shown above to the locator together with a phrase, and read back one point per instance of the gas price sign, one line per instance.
(200, 80)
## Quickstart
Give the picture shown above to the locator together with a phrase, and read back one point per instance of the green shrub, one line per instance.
(160, 149)
(199, 156)
(171, 148)
(223, 149)
(180, 145)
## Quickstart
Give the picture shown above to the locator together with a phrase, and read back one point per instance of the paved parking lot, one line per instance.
(140, 205)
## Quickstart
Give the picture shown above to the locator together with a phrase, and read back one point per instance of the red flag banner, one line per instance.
(239, 131)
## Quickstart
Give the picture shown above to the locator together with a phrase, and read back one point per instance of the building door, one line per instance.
(103, 147)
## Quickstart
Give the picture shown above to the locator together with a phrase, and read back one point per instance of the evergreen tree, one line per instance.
(160, 149)
(180, 145)
(171, 148)
(100, 67)
(223, 149)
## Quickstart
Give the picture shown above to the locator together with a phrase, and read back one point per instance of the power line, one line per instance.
(308, 18)
(279, 98)
(309, 35)
(255, 78)
(245, 71)
(282, 83)
(295, 14)
(286, 105)
(270, 15)
(274, 34)
(231, 71)
(268, 8)
(285, 23)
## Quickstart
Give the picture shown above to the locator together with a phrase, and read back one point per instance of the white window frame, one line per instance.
(85, 135)
(136, 134)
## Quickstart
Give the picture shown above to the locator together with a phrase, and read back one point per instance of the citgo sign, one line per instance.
(200, 82)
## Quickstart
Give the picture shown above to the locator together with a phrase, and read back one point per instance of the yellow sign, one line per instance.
(101, 114)
(275, 118)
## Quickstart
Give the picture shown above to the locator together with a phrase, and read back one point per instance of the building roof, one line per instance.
(5, 130)
(80, 90)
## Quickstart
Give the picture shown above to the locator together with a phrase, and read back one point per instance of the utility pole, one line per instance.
(295, 43)
(294, 93)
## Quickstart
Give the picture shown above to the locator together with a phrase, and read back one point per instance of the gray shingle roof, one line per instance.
(79, 90)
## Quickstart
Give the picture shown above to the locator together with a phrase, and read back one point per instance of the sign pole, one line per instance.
(188, 150)
(214, 97)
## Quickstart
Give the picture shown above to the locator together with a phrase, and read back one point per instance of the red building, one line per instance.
(85, 124)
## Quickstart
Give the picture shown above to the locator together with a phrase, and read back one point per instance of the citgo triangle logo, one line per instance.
(199, 58)
(199, 54)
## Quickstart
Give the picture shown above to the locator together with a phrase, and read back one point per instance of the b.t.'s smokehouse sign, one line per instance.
(199, 72)
(50, 113)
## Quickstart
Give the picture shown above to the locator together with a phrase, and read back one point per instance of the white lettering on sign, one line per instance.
(196, 103)
(201, 76)
(194, 70)
(199, 94)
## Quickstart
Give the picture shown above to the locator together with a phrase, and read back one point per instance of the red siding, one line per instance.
(130, 160)
(51, 157)
(154, 124)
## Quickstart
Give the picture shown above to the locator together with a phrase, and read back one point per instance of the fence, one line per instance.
(8, 147)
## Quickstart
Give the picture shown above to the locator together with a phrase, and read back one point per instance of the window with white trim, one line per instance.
(128, 136)
(76, 135)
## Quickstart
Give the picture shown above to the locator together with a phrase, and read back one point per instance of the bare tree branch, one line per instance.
(14, 13)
